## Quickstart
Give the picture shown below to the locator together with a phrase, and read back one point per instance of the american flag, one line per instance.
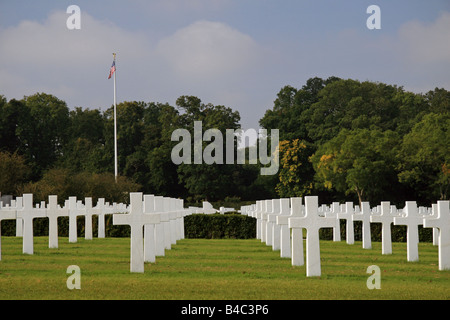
(113, 69)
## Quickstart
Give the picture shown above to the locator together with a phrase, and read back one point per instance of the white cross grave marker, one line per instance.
(74, 211)
(257, 215)
(435, 230)
(348, 216)
(285, 232)
(149, 229)
(136, 219)
(166, 223)
(335, 209)
(364, 216)
(101, 217)
(173, 216)
(159, 228)
(443, 223)
(5, 214)
(268, 223)
(19, 221)
(27, 214)
(297, 258)
(182, 214)
(263, 221)
(90, 211)
(312, 223)
(385, 218)
(411, 219)
(53, 212)
(272, 218)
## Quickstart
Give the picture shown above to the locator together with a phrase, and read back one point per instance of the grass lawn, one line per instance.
(215, 269)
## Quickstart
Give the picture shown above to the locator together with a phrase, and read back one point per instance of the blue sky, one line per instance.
(230, 52)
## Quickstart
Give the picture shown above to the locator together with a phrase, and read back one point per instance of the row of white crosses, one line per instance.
(24, 212)
(156, 223)
(163, 222)
(280, 224)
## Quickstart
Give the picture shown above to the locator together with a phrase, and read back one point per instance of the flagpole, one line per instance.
(115, 123)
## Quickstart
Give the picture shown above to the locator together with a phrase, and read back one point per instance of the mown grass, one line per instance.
(215, 269)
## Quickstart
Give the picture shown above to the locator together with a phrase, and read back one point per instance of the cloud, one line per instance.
(192, 5)
(426, 43)
(70, 63)
(210, 59)
(416, 56)
(207, 50)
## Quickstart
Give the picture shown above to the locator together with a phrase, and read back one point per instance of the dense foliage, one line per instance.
(364, 141)
(339, 139)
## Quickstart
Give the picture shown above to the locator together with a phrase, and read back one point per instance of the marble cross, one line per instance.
(53, 212)
(312, 223)
(442, 222)
(90, 211)
(257, 215)
(348, 216)
(435, 230)
(101, 217)
(149, 229)
(165, 218)
(285, 232)
(364, 216)
(19, 221)
(75, 210)
(272, 218)
(411, 220)
(263, 220)
(268, 223)
(297, 258)
(136, 219)
(386, 219)
(159, 228)
(173, 216)
(27, 214)
(180, 203)
(335, 210)
(5, 214)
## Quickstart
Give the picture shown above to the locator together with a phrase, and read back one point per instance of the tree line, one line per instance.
(339, 139)
(362, 141)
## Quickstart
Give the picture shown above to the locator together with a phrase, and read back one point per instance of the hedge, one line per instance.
(217, 226)
(211, 226)
(40, 227)
(398, 233)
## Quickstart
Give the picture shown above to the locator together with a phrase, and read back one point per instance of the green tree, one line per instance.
(84, 148)
(359, 161)
(296, 172)
(208, 181)
(65, 183)
(10, 113)
(13, 173)
(130, 117)
(351, 104)
(425, 158)
(289, 106)
(42, 131)
(150, 164)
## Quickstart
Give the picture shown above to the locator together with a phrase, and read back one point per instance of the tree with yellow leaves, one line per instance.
(296, 171)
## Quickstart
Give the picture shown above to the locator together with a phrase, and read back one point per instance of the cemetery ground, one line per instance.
(216, 269)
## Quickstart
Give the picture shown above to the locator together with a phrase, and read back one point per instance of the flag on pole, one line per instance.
(113, 69)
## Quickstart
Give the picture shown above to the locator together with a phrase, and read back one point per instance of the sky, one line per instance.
(237, 53)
